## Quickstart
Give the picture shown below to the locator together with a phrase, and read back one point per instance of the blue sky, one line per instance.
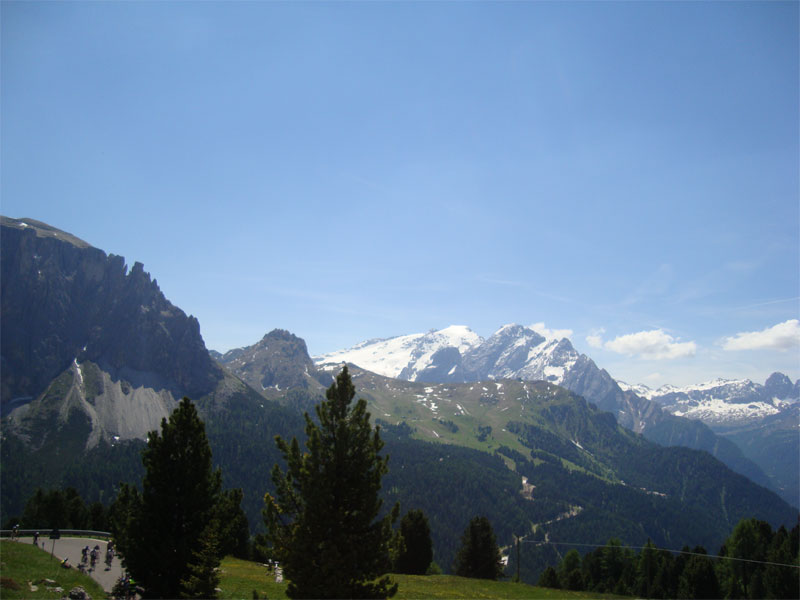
(624, 171)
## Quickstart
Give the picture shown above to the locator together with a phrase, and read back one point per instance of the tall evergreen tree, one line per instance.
(233, 536)
(323, 520)
(163, 529)
(203, 576)
(750, 541)
(782, 581)
(698, 578)
(417, 551)
(569, 571)
(479, 556)
(55, 508)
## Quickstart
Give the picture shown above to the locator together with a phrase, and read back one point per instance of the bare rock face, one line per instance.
(278, 362)
(780, 386)
(64, 300)
(88, 347)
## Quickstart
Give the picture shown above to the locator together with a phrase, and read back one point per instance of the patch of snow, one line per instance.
(717, 410)
(79, 371)
(554, 372)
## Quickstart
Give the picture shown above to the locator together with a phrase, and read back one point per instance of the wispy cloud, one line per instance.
(783, 336)
(769, 303)
(499, 281)
(551, 334)
(655, 344)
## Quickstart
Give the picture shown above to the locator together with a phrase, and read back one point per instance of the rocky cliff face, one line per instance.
(81, 331)
(64, 300)
(277, 363)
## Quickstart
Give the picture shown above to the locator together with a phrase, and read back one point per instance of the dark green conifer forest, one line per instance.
(754, 562)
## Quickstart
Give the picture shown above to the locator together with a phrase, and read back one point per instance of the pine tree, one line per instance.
(479, 556)
(417, 551)
(569, 571)
(203, 577)
(233, 534)
(163, 528)
(698, 578)
(549, 579)
(323, 520)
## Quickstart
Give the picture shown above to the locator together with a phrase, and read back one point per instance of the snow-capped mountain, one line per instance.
(724, 402)
(433, 356)
(457, 354)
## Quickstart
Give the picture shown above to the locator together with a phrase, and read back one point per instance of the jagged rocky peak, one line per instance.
(289, 342)
(277, 340)
(507, 347)
(276, 363)
(729, 402)
(780, 386)
(64, 299)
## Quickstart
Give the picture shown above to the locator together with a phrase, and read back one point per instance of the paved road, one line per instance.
(70, 548)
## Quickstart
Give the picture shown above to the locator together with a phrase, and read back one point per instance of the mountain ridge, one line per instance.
(86, 424)
(515, 351)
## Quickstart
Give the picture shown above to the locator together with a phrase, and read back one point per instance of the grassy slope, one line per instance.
(428, 407)
(24, 563)
(240, 578)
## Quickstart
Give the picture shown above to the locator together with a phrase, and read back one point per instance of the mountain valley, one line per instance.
(456, 354)
(519, 428)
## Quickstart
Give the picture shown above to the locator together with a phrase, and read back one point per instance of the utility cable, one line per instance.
(761, 562)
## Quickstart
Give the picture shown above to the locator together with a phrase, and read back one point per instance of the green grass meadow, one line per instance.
(239, 578)
(24, 567)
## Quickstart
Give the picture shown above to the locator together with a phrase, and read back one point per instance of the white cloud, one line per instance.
(551, 333)
(782, 336)
(595, 338)
(655, 345)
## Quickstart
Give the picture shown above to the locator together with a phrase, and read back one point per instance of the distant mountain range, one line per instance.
(517, 427)
(725, 402)
(762, 420)
(457, 354)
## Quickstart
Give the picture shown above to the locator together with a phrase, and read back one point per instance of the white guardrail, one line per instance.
(46, 533)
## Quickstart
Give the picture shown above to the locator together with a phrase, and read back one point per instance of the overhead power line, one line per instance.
(761, 562)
